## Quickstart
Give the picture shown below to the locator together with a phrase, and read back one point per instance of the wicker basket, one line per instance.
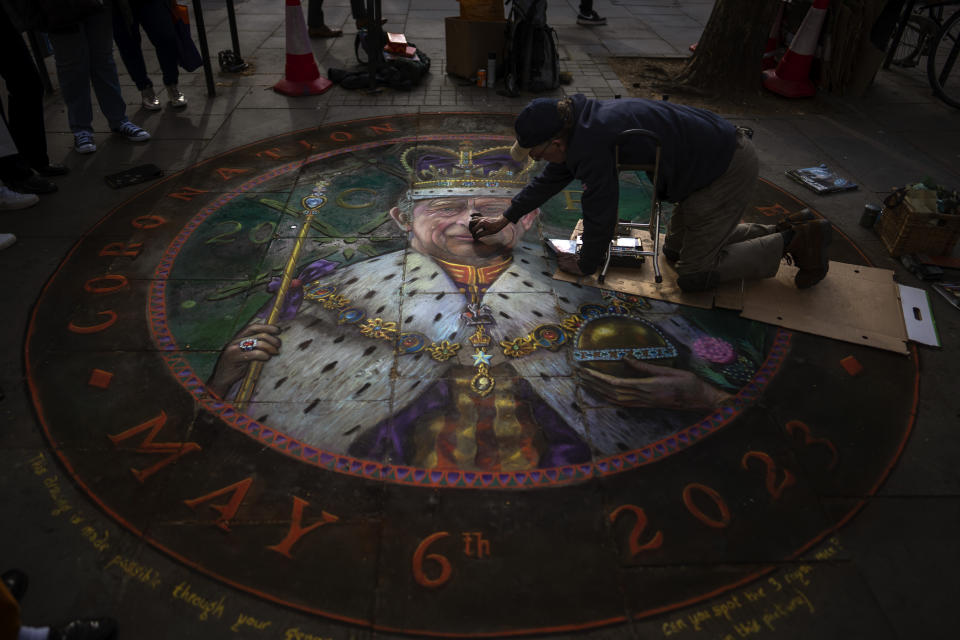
(904, 231)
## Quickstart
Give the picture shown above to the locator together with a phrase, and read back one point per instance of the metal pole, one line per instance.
(232, 19)
(374, 44)
(204, 49)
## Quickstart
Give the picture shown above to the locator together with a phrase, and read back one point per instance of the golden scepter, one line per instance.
(311, 205)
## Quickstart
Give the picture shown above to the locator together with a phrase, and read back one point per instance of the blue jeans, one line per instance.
(155, 18)
(85, 57)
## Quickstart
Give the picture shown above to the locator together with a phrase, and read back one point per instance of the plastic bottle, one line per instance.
(491, 70)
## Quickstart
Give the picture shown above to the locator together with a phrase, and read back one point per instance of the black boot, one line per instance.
(808, 251)
(792, 220)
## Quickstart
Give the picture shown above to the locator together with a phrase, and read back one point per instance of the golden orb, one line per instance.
(622, 332)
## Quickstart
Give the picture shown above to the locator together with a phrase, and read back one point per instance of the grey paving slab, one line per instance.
(71, 540)
(254, 125)
(880, 544)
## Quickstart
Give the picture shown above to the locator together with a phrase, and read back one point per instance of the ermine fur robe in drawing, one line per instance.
(330, 384)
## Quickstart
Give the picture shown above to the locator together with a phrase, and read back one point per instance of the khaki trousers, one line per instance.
(706, 232)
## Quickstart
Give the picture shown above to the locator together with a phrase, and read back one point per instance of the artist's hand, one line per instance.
(659, 388)
(255, 342)
(569, 262)
(481, 227)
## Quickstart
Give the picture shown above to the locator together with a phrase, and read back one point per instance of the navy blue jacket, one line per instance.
(696, 148)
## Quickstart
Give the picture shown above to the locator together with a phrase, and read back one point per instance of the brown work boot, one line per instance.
(324, 32)
(792, 220)
(808, 251)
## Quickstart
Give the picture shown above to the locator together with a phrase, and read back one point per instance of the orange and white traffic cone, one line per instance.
(791, 78)
(773, 41)
(302, 75)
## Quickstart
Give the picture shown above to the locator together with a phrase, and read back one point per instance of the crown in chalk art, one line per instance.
(438, 171)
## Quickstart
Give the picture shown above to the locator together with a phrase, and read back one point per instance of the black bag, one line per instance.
(539, 60)
(406, 73)
(188, 57)
(402, 74)
(533, 63)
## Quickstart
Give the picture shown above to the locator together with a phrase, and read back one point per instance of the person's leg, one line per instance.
(358, 9)
(73, 74)
(673, 239)
(25, 99)
(315, 13)
(98, 29)
(154, 17)
(127, 37)
(587, 16)
(750, 230)
(717, 247)
(315, 23)
(13, 169)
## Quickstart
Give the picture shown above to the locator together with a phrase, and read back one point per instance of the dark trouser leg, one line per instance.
(127, 38)
(13, 168)
(716, 247)
(586, 7)
(358, 9)
(315, 14)
(103, 70)
(154, 17)
(26, 95)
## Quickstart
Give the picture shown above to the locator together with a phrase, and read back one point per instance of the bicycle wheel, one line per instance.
(360, 47)
(942, 59)
(910, 47)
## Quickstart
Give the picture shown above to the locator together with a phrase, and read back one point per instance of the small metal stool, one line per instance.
(616, 249)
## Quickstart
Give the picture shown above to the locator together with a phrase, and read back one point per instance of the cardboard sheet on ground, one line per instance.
(853, 303)
(641, 282)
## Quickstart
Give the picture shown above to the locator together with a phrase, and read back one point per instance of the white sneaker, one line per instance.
(177, 99)
(10, 200)
(149, 100)
(6, 239)
(132, 132)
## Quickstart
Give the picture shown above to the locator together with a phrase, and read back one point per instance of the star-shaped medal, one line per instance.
(481, 357)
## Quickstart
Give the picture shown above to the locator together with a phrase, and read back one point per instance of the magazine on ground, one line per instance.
(950, 291)
(820, 179)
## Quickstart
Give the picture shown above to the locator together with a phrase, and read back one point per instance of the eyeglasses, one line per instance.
(540, 148)
(448, 207)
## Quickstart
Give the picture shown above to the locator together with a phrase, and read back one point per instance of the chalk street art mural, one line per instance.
(291, 368)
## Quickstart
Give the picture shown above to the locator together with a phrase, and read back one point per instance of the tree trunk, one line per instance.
(730, 51)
